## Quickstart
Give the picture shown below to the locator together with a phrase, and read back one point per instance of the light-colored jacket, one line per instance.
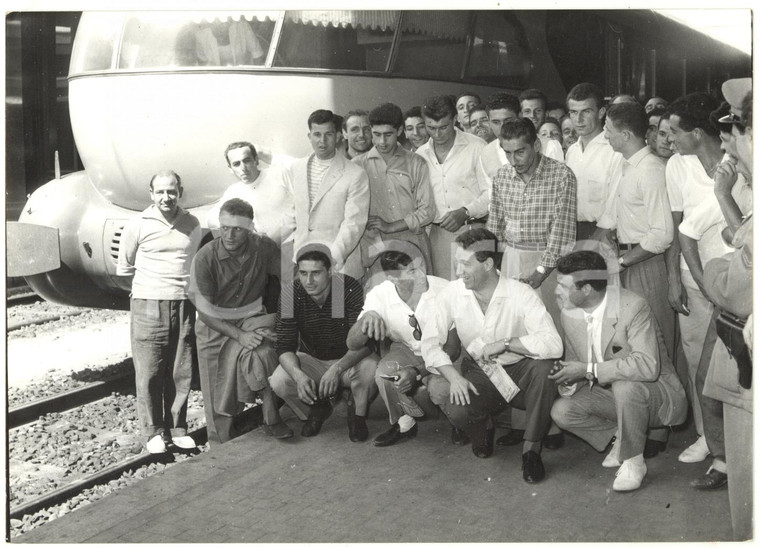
(338, 216)
(633, 347)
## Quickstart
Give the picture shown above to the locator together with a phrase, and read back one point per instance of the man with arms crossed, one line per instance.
(616, 378)
(510, 341)
(157, 247)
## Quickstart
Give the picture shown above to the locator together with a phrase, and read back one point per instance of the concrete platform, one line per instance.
(327, 489)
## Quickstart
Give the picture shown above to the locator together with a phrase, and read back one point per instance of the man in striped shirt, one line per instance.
(314, 317)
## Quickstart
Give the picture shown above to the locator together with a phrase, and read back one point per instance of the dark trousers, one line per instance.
(537, 393)
(162, 339)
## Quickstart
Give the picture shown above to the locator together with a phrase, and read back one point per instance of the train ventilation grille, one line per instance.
(115, 242)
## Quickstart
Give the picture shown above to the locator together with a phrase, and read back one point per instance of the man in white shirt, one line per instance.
(591, 158)
(637, 219)
(461, 200)
(616, 378)
(510, 341)
(262, 188)
(400, 309)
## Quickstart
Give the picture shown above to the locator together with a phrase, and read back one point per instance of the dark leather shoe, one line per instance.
(482, 441)
(513, 437)
(555, 441)
(394, 435)
(317, 415)
(459, 437)
(653, 447)
(532, 467)
(710, 481)
(357, 428)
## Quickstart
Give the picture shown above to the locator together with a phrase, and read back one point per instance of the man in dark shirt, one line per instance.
(314, 317)
(234, 285)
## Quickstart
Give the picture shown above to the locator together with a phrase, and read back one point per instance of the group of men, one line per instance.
(487, 253)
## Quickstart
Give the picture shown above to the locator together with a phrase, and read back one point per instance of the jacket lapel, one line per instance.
(334, 173)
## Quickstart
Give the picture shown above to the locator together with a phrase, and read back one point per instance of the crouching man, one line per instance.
(235, 285)
(616, 379)
(313, 321)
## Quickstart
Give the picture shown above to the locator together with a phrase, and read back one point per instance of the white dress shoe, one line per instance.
(696, 452)
(156, 444)
(184, 442)
(612, 460)
(630, 474)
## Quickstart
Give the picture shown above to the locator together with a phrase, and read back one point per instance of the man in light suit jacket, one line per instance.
(616, 378)
(331, 197)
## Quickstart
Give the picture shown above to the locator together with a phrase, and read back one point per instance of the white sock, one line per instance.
(405, 423)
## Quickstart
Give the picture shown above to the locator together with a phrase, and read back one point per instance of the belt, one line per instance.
(470, 221)
(626, 247)
(526, 246)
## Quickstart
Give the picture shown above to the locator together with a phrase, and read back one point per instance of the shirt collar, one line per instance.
(153, 213)
(251, 247)
(639, 156)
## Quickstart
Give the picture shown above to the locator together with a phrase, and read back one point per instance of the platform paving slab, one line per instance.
(327, 489)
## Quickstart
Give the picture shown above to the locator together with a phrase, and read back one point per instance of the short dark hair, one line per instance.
(630, 116)
(337, 122)
(438, 107)
(693, 111)
(501, 100)
(591, 266)
(240, 144)
(468, 94)
(414, 112)
(315, 252)
(657, 111)
(394, 260)
(628, 98)
(518, 127)
(355, 112)
(587, 90)
(238, 208)
(166, 173)
(551, 120)
(386, 114)
(322, 116)
(532, 93)
(719, 113)
(480, 238)
(477, 108)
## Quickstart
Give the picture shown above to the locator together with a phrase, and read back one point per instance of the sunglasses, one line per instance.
(417, 333)
(730, 118)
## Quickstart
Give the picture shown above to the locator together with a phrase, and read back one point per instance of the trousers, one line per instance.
(161, 333)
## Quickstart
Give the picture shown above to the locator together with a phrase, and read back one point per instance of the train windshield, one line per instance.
(481, 46)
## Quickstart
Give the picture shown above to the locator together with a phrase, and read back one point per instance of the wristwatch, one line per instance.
(621, 262)
(467, 212)
(541, 269)
(506, 345)
(590, 374)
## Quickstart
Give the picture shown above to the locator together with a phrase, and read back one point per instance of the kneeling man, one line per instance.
(509, 338)
(313, 319)
(234, 286)
(616, 379)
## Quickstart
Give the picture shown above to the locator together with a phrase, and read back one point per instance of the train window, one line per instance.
(172, 39)
(500, 52)
(337, 40)
(432, 44)
(94, 49)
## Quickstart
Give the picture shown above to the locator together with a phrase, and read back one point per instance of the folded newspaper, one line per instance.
(494, 370)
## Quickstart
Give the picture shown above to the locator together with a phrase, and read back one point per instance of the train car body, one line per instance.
(169, 90)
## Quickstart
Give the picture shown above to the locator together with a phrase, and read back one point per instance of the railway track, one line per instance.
(30, 412)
